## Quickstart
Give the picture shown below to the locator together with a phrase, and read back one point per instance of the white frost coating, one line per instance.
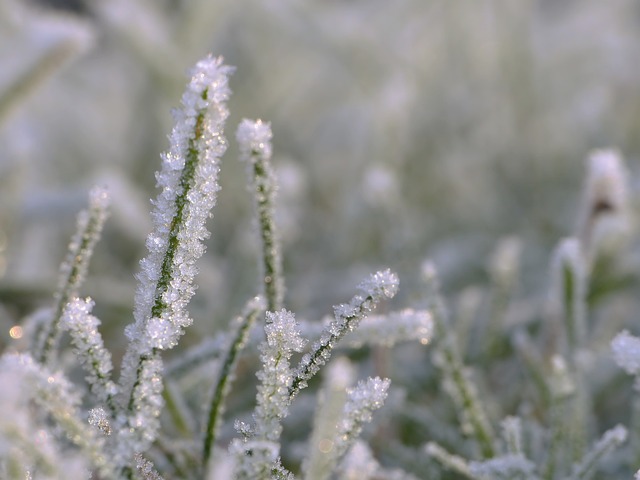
(198, 126)
(254, 142)
(626, 352)
(254, 136)
(189, 182)
(258, 452)
(89, 227)
(362, 401)
(145, 468)
(73, 269)
(98, 418)
(380, 284)
(83, 327)
(283, 338)
(56, 396)
(347, 317)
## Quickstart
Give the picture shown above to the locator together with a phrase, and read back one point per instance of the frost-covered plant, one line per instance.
(517, 379)
(118, 431)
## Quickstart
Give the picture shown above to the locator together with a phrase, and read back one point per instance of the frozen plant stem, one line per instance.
(254, 141)
(347, 316)
(188, 179)
(448, 358)
(222, 386)
(74, 269)
(258, 453)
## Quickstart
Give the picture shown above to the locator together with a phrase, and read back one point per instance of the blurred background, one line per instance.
(403, 131)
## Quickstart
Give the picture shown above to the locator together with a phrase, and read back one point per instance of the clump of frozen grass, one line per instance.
(120, 434)
(117, 433)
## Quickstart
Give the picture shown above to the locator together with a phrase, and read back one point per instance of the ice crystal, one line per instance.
(98, 417)
(146, 469)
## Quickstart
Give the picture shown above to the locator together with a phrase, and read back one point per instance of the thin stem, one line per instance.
(74, 269)
(254, 139)
(221, 389)
(450, 361)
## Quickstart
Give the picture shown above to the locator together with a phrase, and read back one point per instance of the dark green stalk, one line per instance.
(222, 386)
(272, 264)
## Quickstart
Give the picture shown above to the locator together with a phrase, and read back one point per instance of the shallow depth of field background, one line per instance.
(403, 130)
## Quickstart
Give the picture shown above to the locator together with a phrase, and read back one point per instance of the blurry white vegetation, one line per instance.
(443, 139)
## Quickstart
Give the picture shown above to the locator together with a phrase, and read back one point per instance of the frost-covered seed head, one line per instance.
(254, 138)
(380, 284)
